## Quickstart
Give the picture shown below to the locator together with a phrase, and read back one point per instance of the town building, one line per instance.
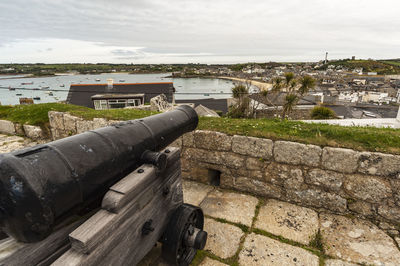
(118, 95)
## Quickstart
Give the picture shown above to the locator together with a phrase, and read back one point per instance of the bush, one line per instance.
(321, 112)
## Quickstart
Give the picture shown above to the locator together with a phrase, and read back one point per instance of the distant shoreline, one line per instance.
(264, 86)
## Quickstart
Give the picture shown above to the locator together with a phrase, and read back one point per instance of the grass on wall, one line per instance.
(358, 138)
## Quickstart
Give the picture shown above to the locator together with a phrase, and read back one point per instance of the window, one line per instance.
(115, 103)
(100, 104)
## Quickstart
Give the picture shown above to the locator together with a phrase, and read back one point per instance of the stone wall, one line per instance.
(344, 181)
(338, 180)
(63, 124)
(32, 132)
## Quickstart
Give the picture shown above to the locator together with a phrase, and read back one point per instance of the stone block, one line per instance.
(56, 120)
(290, 221)
(226, 159)
(231, 160)
(58, 134)
(262, 250)
(257, 187)
(340, 160)
(196, 173)
(318, 198)
(233, 207)
(284, 175)
(188, 139)
(391, 213)
(227, 181)
(367, 188)
(83, 126)
(326, 179)
(70, 124)
(7, 127)
(297, 153)
(358, 241)
(99, 123)
(211, 140)
(395, 183)
(250, 146)
(255, 163)
(177, 143)
(374, 163)
(19, 129)
(33, 132)
(295, 179)
(362, 207)
(194, 193)
(223, 239)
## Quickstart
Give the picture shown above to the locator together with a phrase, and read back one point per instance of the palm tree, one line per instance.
(290, 102)
(241, 109)
(295, 88)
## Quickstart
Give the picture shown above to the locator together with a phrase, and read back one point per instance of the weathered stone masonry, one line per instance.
(338, 180)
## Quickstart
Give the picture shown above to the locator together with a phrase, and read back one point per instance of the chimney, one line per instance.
(110, 83)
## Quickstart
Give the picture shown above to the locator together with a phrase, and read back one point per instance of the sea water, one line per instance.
(186, 88)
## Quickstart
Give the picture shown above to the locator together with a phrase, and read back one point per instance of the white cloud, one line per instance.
(198, 31)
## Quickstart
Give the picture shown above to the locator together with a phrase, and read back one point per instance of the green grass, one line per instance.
(358, 138)
(392, 62)
(37, 114)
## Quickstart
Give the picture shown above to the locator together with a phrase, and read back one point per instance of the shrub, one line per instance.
(321, 112)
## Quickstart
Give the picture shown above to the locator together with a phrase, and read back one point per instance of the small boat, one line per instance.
(97, 79)
(27, 83)
(121, 80)
(36, 98)
(206, 94)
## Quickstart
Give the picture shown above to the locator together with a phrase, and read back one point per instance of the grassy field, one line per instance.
(381, 67)
(392, 62)
(359, 138)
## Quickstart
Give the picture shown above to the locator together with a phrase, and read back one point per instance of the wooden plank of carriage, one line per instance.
(129, 190)
(116, 238)
(40, 253)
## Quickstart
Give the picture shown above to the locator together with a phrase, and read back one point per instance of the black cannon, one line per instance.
(40, 186)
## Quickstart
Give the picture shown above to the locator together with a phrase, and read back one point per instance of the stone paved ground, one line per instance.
(245, 230)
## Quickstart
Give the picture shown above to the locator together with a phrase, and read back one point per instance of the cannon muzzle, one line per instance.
(40, 186)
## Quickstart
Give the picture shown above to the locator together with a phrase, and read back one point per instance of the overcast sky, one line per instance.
(204, 31)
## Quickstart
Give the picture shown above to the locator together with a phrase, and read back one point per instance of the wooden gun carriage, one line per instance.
(103, 197)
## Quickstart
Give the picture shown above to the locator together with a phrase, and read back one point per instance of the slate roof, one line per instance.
(80, 94)
(211, 103)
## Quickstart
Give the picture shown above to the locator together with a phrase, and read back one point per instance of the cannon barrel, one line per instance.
(39, 186)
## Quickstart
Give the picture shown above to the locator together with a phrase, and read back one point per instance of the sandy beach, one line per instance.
(258, 84)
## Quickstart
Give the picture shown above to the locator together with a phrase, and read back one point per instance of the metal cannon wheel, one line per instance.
(184, 235)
